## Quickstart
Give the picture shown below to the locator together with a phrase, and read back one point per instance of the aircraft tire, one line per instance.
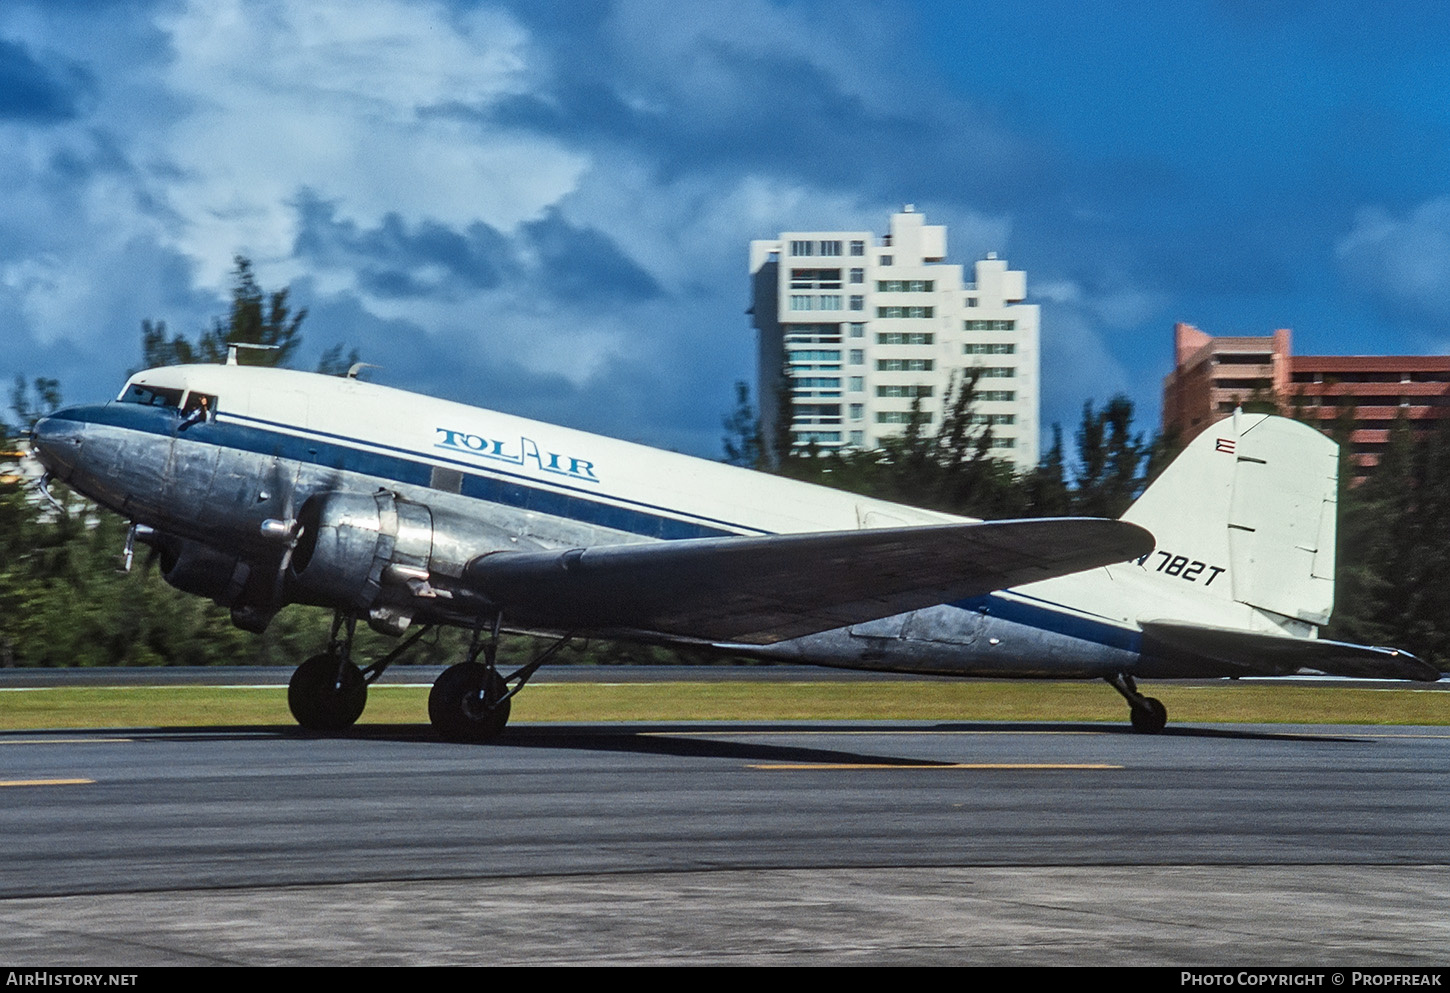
(326, 696)
(456, 704)
(1151, 717)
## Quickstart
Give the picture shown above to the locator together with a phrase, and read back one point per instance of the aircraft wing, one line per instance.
(1249, 653)
(759, 590)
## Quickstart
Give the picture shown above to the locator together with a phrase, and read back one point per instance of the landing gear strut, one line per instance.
(470, 701)
(328, 692)
(1148, 715)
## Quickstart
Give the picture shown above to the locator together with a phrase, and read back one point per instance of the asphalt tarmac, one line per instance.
(791, 843)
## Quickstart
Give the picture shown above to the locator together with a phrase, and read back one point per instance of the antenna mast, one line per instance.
(232, 347)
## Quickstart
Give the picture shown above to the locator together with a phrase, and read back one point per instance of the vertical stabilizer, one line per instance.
(1246, 514)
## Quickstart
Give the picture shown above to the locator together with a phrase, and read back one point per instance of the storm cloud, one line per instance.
(544, 207)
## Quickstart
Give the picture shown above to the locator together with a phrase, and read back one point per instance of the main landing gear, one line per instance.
(470, 701)
(328, 692)
(1148, 715)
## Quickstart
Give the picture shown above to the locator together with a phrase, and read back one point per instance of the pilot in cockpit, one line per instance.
(198, 409)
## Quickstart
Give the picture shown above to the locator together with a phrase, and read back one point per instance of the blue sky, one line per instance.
(544, 207)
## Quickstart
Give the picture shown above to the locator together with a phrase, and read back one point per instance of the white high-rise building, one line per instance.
(863, 326)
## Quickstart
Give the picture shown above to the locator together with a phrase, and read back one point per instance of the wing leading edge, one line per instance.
(1226, 652)
(759, 590)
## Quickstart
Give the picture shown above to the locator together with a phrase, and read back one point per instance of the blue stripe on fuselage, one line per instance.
(1054, 618)
(342, 453)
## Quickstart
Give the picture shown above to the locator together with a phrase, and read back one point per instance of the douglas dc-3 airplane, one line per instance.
(261, 487)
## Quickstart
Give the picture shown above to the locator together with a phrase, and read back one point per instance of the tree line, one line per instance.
(1393, 580)
(955, 469)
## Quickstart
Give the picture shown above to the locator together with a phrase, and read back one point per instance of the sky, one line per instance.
(544, 206)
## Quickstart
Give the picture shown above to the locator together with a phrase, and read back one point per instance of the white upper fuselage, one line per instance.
(589, 467)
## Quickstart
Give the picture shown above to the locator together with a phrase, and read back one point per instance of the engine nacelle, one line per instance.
(350, 544)
(248, 588)
(202, 570)
(388, 558)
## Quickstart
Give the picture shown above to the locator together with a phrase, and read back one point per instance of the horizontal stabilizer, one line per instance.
(759, 590)
(1191, 649)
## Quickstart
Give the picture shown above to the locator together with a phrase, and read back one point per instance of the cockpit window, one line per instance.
(151, 396)
(199, 407)
(200, 401)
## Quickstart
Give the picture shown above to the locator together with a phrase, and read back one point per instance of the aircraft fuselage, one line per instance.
(499, 483)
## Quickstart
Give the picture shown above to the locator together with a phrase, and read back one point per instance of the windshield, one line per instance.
(151, 396)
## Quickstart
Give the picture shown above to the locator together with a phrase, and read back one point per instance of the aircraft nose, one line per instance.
(56, 442)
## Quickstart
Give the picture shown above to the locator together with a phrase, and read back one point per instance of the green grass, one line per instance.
(200, 706)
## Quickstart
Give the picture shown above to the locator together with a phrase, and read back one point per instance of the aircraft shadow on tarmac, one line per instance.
(698, 739)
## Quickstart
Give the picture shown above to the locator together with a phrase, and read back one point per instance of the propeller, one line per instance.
(286, 529)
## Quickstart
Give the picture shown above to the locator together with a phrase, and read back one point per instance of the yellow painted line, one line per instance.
(66, 741)
(46, 782)
(924, 765)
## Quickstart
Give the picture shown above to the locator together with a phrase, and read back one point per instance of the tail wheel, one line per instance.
(467, 703)
(1149, 718)
(327, 693)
